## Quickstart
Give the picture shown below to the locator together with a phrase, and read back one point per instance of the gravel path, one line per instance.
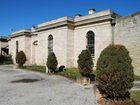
(48, 90)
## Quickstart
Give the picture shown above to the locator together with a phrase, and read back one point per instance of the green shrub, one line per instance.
(85, 63)
(1, 59)
(115, 72)
(20, 59)
(52, 62)
(4, 60)
(8, 60)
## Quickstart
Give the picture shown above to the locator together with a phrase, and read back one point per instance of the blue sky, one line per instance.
(19, 14)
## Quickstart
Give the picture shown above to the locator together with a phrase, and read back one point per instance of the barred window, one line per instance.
(91, 42)
(50, 44)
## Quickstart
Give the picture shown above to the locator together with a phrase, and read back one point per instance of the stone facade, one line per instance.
(3, 46)
(23, 39)
(127, 32)
(70, 37)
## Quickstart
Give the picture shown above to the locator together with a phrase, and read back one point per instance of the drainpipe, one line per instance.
(113, 22)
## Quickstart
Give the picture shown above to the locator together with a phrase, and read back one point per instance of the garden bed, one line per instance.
(36, 68)
(135, 95)
(137, 78)
(135, 99)
(111, 102)
(71, 73)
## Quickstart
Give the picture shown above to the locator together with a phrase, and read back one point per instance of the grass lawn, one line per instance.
(37, 68)
(135, 95)
(71, 73)
(7, 62)
(137, 78)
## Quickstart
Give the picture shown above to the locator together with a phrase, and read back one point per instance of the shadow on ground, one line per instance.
(25, 80)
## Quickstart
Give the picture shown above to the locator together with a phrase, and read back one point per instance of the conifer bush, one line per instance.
(20, 59)
(85, 63)
(52, 62)
(115, 73)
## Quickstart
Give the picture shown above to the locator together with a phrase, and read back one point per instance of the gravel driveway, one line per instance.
(18, 87)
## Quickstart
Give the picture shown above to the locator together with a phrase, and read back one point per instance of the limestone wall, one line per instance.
(28, 49)
(127, 32)
(70, 48)
(40, 50)
(4, 44)
(24, 45)
(34, 49)
(102, 33)
(59, 45)
(12, 46)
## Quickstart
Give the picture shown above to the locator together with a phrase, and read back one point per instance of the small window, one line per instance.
(17, 47)
(50, 44)
(91, 42)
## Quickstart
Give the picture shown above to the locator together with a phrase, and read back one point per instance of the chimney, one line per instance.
(91, 11)
(78, 15)
(33, 29)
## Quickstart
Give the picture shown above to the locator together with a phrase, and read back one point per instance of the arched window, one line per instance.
(50, 44)
(17, 47)
(91, 42)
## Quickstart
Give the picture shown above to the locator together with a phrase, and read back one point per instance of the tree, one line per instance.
(52, 62)
(85, 63)
(115, 72)
(20, 59)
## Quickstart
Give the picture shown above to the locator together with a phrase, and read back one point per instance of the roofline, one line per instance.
(68, 21)
(3, 38)
(130, 15)
(21, 33)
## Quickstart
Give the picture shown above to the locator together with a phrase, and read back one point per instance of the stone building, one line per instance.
(3, 46)
(127, 32)
(68, 36)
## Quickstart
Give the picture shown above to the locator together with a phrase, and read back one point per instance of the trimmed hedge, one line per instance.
(20, 59)
(85, 63)
(52, 62)
(115, 74)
